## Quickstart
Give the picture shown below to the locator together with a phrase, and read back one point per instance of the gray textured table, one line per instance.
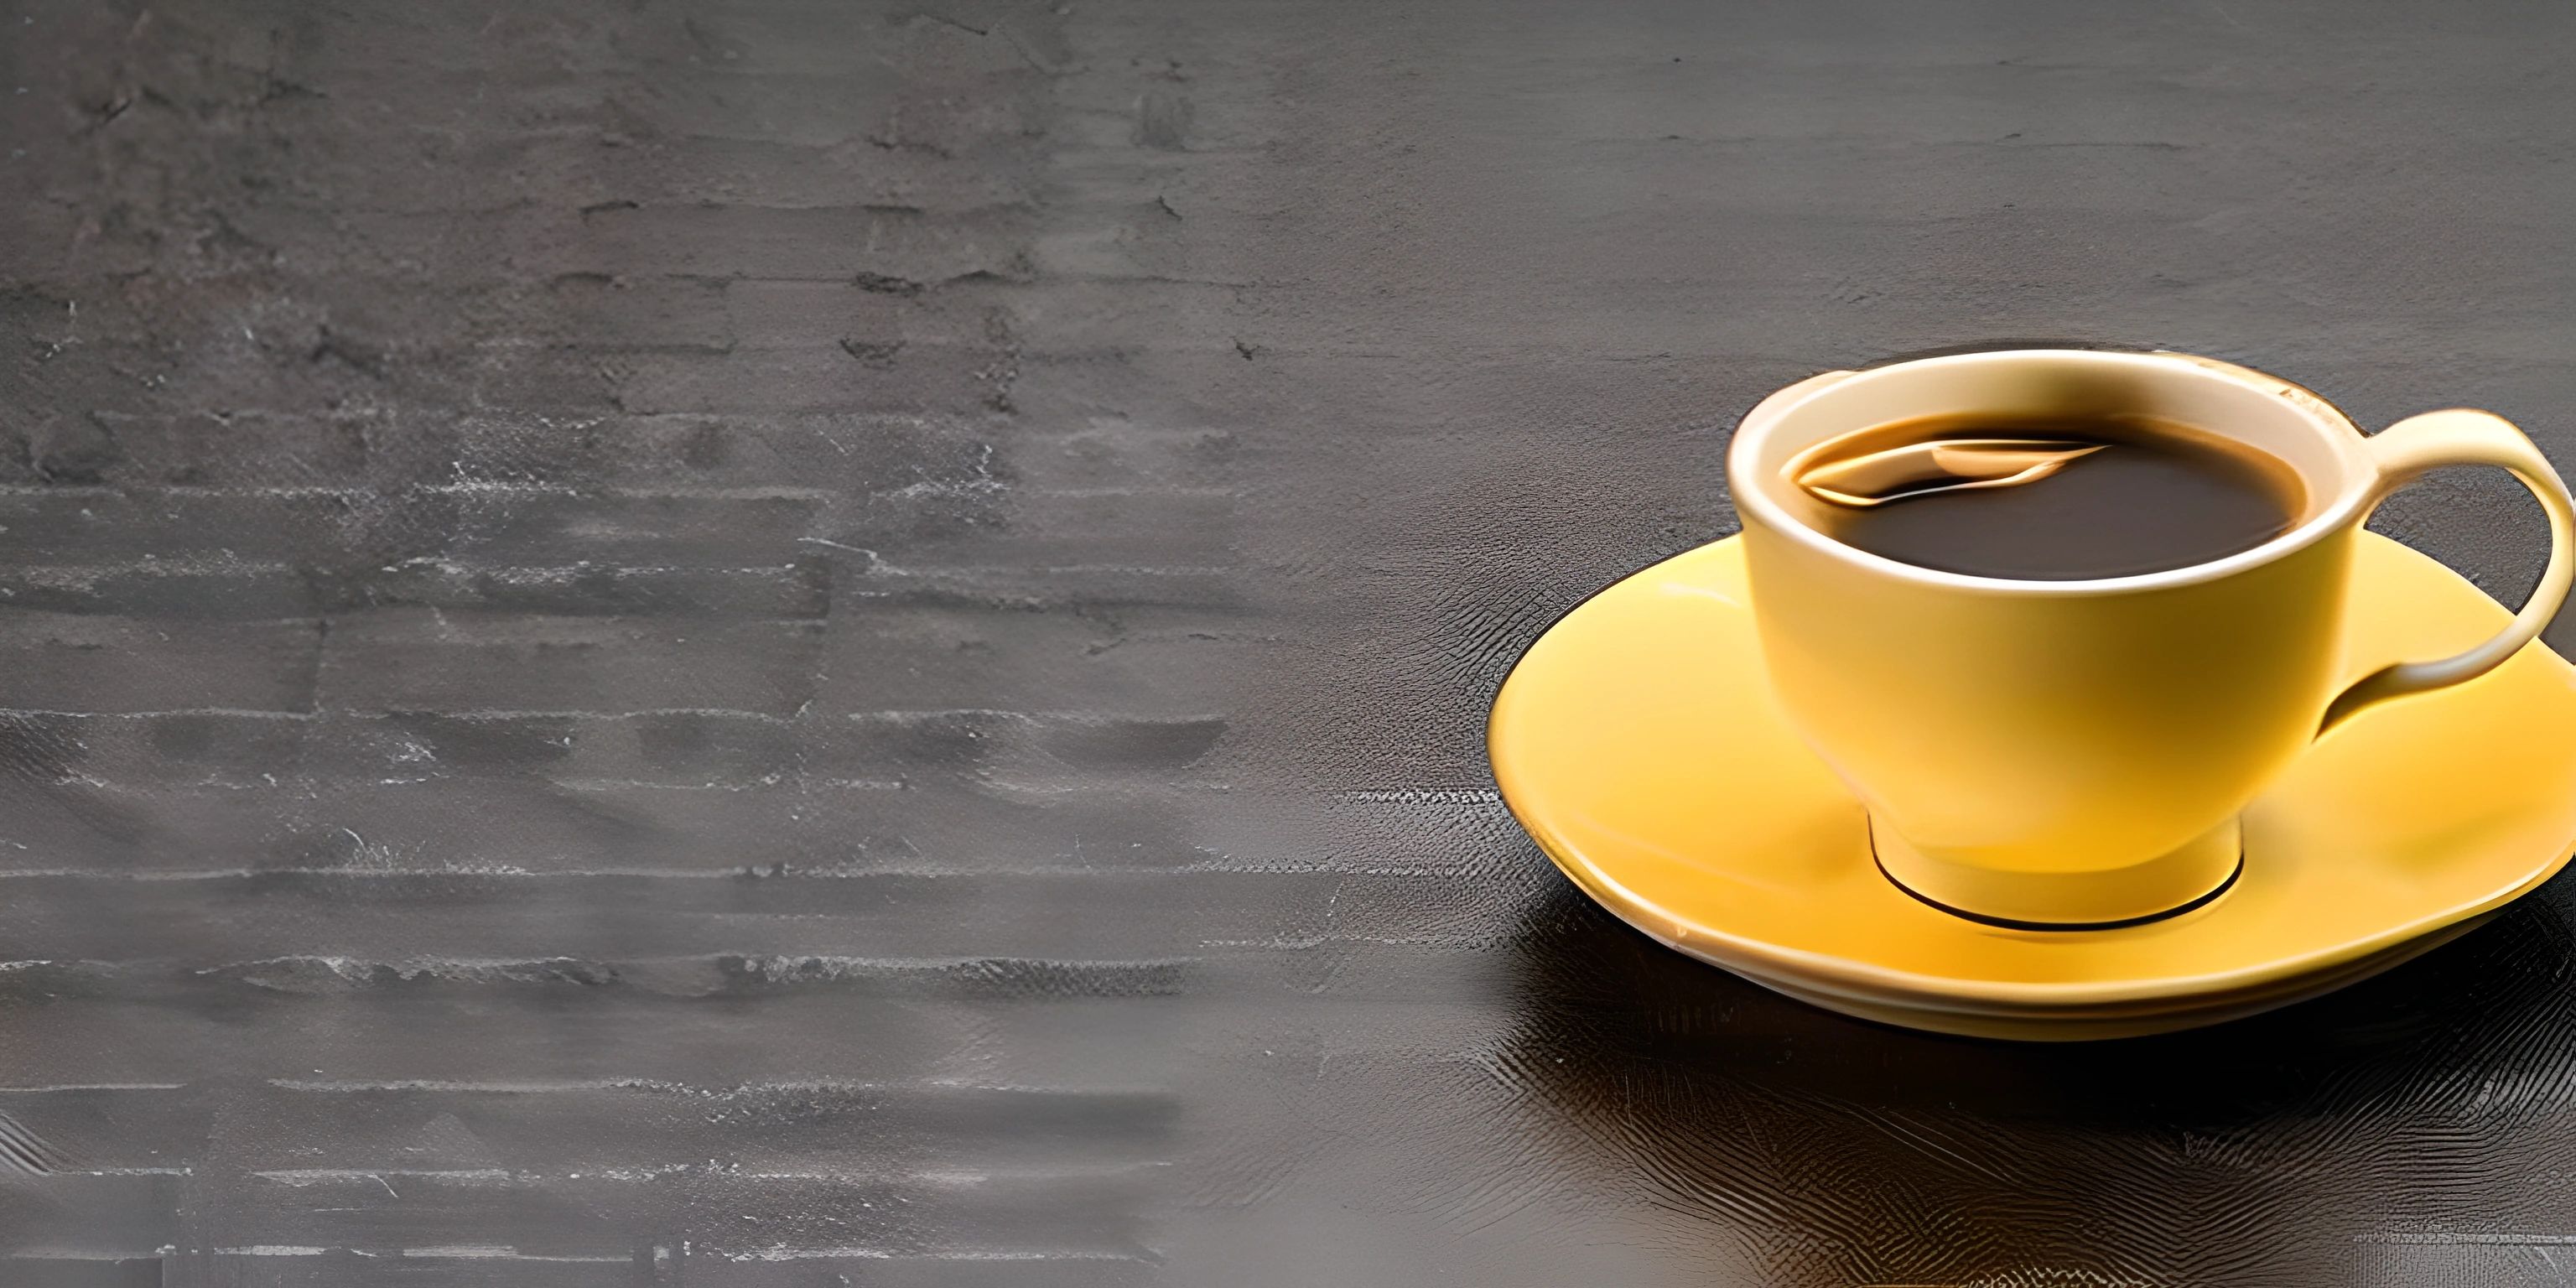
(797, 643)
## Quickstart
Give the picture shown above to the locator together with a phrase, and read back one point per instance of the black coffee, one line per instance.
(2054, 501)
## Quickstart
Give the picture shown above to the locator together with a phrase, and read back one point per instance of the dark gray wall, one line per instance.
(797, 643)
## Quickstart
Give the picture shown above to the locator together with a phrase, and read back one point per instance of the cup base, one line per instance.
(2166, 886)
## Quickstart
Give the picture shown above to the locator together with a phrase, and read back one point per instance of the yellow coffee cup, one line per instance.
(2075, 753)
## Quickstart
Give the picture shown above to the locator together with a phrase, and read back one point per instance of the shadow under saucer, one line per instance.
(2430, 1099)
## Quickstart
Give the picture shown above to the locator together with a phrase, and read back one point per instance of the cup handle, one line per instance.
(2404, 451)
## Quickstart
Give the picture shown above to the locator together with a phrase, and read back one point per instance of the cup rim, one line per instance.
(2331, 423)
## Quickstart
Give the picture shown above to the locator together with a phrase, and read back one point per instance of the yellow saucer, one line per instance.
(1637, 741)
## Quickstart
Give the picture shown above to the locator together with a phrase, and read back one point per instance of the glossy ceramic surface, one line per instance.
(1638, 742)
(2072, 752)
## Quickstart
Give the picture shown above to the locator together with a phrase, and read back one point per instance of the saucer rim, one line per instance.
(2070, 999)
(2114, 1024)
